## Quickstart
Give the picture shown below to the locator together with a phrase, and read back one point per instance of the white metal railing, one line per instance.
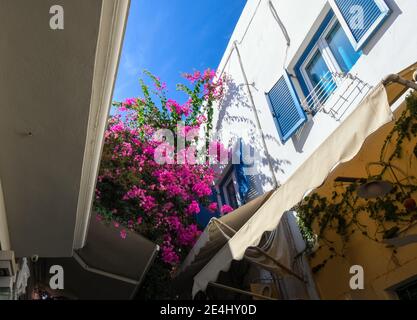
(335, 93)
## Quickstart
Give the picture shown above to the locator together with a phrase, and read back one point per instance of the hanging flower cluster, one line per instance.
(160, 201)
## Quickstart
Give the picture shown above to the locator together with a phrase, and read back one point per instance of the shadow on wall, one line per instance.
(395, 12)
(300, 138)
(237, 116)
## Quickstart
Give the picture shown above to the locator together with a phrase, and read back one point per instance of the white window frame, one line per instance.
(385, 10)
(326, 53)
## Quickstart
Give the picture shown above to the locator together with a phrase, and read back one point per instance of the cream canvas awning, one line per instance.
(215, 236)
(341, 146)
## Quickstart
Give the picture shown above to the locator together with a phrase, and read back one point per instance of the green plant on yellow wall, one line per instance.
(345, 214)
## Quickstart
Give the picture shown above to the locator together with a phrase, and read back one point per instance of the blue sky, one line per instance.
(169, 37)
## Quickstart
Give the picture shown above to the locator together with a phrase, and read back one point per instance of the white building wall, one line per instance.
(263, 50)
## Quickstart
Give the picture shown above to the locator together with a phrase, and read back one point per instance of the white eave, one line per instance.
(110, 39)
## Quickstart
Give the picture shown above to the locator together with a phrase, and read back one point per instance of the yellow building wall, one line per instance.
(382, 270)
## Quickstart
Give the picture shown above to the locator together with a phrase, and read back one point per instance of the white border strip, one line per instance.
(110, 39)
(103, 273)
(4, 230)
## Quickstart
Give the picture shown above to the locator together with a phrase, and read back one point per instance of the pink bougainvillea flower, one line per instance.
(174, 223)
(160, 86)
(173, 106)
(164, 153)
(201, 119)
(202, 189)
(168, 207)
(187, 156)
(127, 149)
(209, 75)
(98, 194)
(139, 220)
(129, 102)
(226, 209)
(189, 131)
(168, 253)
(149, 150)
(117, 128)
(218, 152)
(133, 193)
(196, 76)
(169, 256)
(148, 203)
(116, 225)
(193, 208)
(213, 207)
(122, 108)
(180, 110)
(188, 235)
(159, 199)
(147, 129)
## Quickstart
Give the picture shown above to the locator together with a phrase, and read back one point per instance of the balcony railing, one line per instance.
(335, 94)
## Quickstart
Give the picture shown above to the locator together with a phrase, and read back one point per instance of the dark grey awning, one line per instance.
(108, 267)
(107, 253)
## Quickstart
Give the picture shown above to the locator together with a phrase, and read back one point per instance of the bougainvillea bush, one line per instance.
(159, 199)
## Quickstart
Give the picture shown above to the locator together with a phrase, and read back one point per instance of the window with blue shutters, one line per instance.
(360, 18)
(245, 171)
(328, 54)
(286, 108)
(238, 188)
(229, 189)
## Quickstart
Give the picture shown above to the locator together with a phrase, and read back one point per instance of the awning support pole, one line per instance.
(265, 254)
(396, 78)
(247, 293)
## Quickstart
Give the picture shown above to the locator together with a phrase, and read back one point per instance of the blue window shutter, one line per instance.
(286, 107)
(349, 11)
(253, 192)
(247, 185)
(242, 180)
(247, 182)
(222, 196)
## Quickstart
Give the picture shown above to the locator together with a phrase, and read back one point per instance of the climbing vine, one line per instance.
(344, 213)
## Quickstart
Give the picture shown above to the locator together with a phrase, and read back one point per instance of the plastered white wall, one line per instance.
(264, 55)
